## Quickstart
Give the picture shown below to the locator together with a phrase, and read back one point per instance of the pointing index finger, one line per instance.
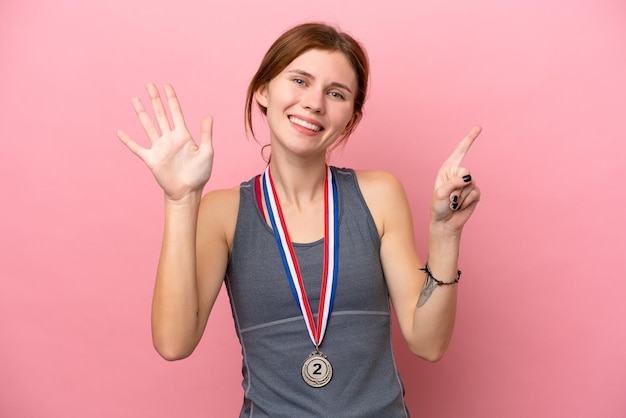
(459, 153)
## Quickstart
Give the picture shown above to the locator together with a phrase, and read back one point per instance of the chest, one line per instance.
(258, 285)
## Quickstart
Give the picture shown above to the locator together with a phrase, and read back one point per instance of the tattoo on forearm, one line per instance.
(427, 290)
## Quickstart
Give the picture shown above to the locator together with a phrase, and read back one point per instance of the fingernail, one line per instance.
(455, 199)
(467, 178)
(454, 206)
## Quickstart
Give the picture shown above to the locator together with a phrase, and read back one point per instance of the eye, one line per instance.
(299, 81)
(337, 95)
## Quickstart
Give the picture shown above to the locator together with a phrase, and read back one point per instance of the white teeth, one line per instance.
(305, 124)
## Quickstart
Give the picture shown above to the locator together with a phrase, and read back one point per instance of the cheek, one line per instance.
(347, 115)
(279, 102)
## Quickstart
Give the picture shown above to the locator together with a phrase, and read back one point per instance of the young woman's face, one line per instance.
(310, 103)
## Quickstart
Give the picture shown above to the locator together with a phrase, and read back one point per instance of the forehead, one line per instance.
(326, 66)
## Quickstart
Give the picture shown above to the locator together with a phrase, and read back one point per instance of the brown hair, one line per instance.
(295, 42)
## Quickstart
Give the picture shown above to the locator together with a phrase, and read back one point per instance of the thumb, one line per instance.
(206, 132)
(453, 186)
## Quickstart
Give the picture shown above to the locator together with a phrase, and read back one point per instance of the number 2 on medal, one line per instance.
(318, 367)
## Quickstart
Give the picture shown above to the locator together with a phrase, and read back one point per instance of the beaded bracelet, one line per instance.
(426, 269)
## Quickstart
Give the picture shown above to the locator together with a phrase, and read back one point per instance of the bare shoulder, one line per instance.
(383, 193)
(218, 214)
(224, 198)
(378, 187)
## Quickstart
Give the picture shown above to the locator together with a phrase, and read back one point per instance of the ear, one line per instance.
(354, 121)
(260, 95)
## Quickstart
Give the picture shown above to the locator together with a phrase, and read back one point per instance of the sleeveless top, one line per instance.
(272, 332)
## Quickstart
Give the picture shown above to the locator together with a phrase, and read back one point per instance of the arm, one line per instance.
(192, 265)
(425, 311)
(185, 289)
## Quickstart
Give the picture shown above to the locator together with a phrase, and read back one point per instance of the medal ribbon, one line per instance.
(288, 256)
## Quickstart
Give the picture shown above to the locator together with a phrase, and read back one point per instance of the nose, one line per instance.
(313, 100)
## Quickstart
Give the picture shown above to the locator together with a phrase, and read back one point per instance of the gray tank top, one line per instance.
(272, 332)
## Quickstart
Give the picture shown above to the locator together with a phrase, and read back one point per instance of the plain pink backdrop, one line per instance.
(540, 329)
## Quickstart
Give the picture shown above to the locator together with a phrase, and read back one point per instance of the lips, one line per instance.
(307, 124)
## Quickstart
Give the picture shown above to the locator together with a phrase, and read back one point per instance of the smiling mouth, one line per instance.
(311, 126)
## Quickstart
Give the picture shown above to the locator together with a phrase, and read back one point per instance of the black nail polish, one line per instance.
(454, 206)
(467, 178)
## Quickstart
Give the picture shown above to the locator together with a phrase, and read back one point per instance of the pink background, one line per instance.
(540, 329)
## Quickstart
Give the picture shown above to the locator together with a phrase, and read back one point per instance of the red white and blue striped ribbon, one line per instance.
(331, 247)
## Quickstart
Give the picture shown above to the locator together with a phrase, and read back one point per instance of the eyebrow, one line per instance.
(309, 75)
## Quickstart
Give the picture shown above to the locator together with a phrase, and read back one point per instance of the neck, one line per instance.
(298, 183)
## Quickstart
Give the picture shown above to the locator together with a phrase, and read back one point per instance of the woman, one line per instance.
(311, 255)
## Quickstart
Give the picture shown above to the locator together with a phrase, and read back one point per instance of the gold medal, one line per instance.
(316, 370)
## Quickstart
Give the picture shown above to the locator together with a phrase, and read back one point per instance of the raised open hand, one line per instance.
(456, 193)
(179, 165)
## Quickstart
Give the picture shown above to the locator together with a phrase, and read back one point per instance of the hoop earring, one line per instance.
(269, 157)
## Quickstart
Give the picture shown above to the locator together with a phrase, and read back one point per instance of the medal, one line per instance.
(316, 370)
